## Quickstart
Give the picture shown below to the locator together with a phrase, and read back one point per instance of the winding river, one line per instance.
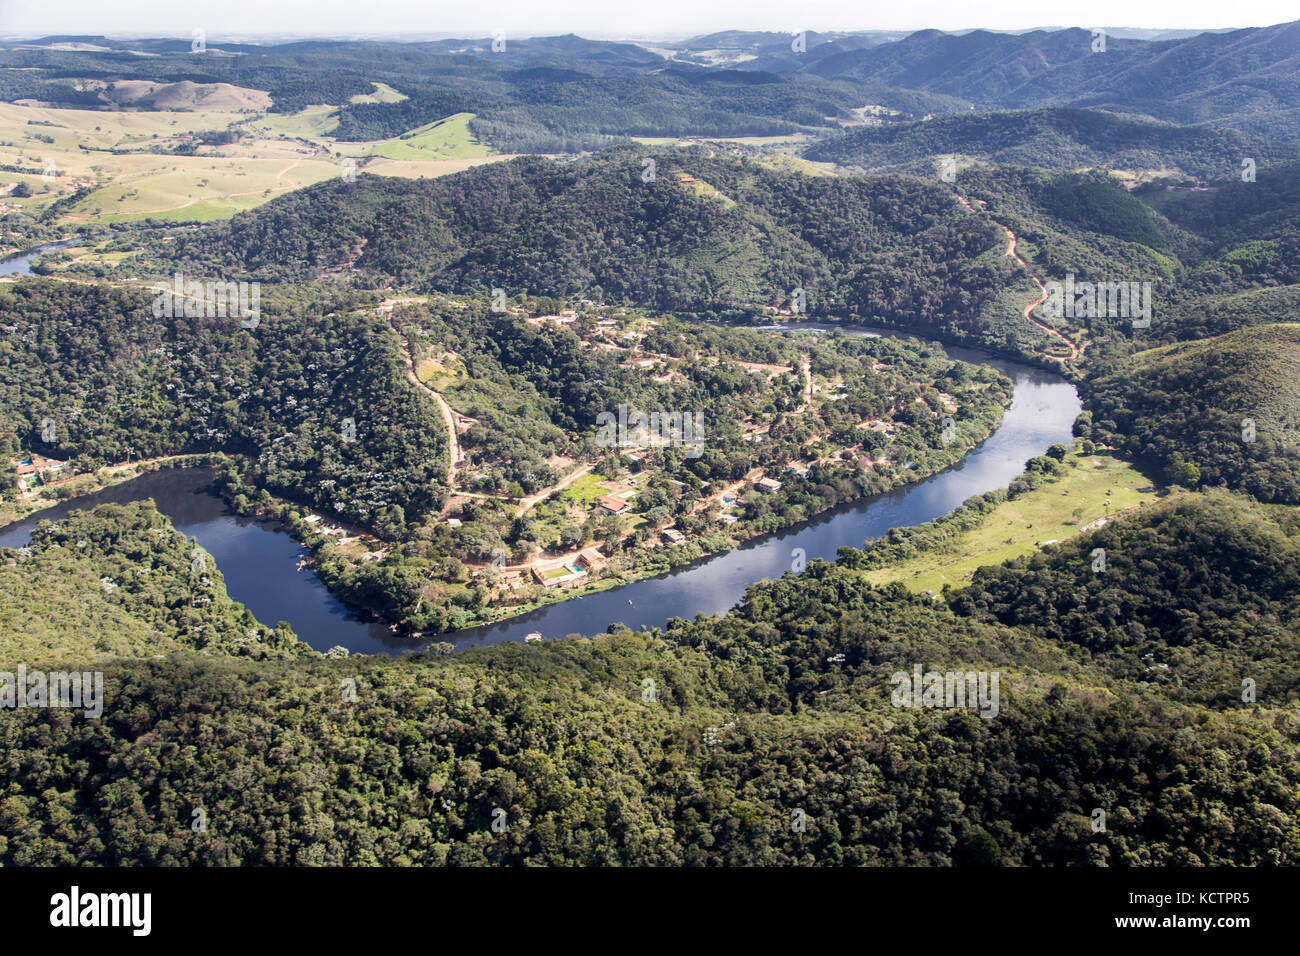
(259, 558)
(20, 263)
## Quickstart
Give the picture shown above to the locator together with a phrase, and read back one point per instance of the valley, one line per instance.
(728, 450)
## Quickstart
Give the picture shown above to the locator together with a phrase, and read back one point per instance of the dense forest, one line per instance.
(121, 582)
(1057, 139)
(725, 237)
(779, 711)
(90, 373)
(710, 235)
(1220, 411)
(416, 401)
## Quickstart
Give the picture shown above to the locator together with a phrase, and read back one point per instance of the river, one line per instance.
(258, 558)
(20, 263)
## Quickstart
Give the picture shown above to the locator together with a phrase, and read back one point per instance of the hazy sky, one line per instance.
(637, 18)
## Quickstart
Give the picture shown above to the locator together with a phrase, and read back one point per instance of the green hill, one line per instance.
(1182, 407)
(1059, 139)
(710, 235)
(121, 582)
(786, 704)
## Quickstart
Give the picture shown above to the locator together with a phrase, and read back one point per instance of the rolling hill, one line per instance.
(1061, 139)
(1245, 79)
(1185, 408)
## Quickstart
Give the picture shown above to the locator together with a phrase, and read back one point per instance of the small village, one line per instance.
(586, 496)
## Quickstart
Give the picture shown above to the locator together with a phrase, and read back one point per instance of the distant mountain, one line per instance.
(1248, 79)
(1052, 139)
(754, 50)
(598, 90)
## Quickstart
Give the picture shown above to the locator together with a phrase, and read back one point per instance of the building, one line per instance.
(27, 477)
(557, 574)
(673, 535)
(591, 559)
(36, 470)
(767, 485)
(616, 505)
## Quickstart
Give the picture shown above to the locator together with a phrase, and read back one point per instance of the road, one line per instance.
(1075, 351)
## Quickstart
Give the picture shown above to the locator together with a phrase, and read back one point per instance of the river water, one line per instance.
(20, 263)
(259, 558)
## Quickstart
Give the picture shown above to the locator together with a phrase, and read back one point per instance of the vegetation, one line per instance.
(120, 582)
(1220, 411)
(780, 706)
(1057, 139)
(1049, 503)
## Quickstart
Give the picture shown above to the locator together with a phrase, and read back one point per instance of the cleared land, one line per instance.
(136, 164)
(1059, 509)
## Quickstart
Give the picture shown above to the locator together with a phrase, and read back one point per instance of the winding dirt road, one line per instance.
(1075, 351)
(455, 457)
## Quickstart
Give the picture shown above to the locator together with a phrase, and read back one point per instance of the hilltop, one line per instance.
(1184, 408)
(1060, 139)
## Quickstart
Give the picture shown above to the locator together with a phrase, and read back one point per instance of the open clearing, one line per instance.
(129, 164)
(1057, 510)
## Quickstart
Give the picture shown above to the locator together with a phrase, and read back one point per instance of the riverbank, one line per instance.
(88, 483)
(260, 559)
(513, 596)
(1090, 489)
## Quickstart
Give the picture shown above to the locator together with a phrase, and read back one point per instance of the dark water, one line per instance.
(258, 558)
(20, 263)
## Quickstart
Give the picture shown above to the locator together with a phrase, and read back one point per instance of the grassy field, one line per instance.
(58, 151)
(383, 94)
(587, 488)
(448, 138)
(1055, 511)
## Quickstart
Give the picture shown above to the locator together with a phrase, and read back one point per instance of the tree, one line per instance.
(1179, 472)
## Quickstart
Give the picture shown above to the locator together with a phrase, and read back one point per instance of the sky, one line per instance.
(638, 19)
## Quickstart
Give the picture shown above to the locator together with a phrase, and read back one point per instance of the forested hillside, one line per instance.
(121, 582)
(1244, 79)
(1059, 139)
(784, 705)
(710, 235)
(115, 382)
(1216, 411)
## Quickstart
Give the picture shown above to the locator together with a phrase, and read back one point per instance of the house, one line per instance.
(27, 477)
(591, 559)
(453, 522)
(800, 470)
(767, 485)
(610, 503)
(558, 574)
(36, 470)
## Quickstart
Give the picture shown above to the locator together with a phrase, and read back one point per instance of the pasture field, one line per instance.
(139, 164)
(1057, 510)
